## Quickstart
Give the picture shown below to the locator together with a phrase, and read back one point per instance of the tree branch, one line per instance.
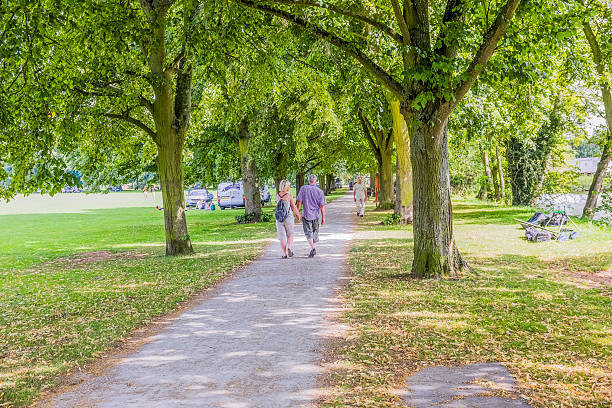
(446, 45)
(313, 166)
(347, 13)
(401, 22)
(375, 70)
(135, 122)
(367, 130)
(484, 53)
(599, 66)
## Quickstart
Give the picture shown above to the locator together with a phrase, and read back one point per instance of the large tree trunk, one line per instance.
(435, 253)
(398, 195)
(596, 184)
(170, 166)
(404, 165)
(171, 115)
(250, 182)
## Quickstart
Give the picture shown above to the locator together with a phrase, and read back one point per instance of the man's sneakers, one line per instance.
(312, 253)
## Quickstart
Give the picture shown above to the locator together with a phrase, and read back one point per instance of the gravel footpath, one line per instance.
(257, 341)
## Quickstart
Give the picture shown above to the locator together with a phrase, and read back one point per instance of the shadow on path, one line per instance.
(256, 342)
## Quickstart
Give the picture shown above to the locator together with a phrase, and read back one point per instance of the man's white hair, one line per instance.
(312, 179)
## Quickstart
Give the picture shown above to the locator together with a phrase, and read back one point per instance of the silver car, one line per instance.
(198, 195)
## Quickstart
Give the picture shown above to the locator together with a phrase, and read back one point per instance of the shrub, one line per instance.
(606, 206)
(392, 219)
(248, 218)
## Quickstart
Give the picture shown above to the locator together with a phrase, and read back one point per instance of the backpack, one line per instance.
(281, 212)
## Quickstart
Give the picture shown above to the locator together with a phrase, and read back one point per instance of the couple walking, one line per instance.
(313, 201)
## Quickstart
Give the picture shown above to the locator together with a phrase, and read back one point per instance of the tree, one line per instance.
(381, 144)
(600, 13)
(434, 77)
(104, 65)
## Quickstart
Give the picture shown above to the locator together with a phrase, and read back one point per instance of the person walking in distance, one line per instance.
(313, 199)
(360, 196)
(284, 217)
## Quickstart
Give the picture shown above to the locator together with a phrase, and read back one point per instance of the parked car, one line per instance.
(198, 195)
(231, 195)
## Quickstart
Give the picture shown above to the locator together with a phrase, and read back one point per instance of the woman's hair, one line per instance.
(283, 185)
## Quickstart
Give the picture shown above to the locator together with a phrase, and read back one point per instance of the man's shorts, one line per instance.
(311, 229)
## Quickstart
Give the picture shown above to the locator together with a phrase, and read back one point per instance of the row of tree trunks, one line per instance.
(403, 174)
(250, 176)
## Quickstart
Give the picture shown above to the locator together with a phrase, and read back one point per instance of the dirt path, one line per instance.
(257, 341)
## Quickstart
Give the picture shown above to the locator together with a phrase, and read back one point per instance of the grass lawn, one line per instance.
(527, 305)
(64, 301)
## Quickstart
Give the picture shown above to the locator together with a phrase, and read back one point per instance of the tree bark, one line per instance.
(381, 144)
(538, 188)
(299, 181)
(596, 184)
(171, 111)
(435, 253)
(170, 166)
(403, 176)
(500, 173)
(250, 182)
(386, 181)
(487, 169)
(397, 210)
(372, 185)
(606, 94)
(329, 183)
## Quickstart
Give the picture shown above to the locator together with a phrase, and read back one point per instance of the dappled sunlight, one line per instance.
(577, 369)
(443, 325)
(428, 314)
(255, 340)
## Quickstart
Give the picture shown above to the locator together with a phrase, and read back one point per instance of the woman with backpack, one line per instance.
(284, 219)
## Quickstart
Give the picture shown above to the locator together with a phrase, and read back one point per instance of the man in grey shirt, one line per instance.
(314, 202)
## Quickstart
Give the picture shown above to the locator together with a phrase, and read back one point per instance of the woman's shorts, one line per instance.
(285, 229)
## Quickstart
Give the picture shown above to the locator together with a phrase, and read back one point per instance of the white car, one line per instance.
(231, 195)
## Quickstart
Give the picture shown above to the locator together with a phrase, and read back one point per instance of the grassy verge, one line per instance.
(64, 301)
(341, 192)
(520, 306)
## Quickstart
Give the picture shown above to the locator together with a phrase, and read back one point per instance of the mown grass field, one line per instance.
(528, 305)
(73, 285)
